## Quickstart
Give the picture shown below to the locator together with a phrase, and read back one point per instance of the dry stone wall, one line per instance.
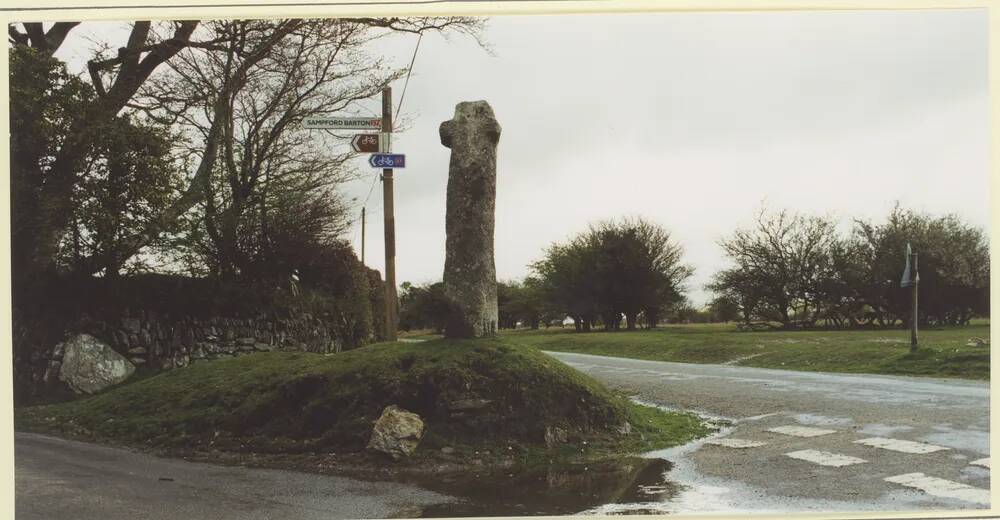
(157, 342)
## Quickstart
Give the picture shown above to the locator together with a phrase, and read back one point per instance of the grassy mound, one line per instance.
(470, 393)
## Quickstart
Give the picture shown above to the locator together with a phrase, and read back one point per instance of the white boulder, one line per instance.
(90, 365)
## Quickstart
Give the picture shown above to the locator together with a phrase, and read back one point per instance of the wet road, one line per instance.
(842, 442)
(59, 479)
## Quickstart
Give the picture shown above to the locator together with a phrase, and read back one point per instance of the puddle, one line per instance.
(882, 430)
(961, 439)
(633, 485)
(821, 420)
(555, 490)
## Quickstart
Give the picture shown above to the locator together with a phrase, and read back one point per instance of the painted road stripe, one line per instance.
(900, 445)
(825, 458)
(735, 443)
(982, 462)
(801, 431)
(940, 487)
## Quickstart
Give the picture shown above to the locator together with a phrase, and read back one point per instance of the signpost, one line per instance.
(387, 160)
(343, 123)
(911, 279)
(379, 145)
(389, 219)
(915, 318)
(371, 143)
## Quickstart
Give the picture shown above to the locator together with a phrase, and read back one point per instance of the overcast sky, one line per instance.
(693, 120)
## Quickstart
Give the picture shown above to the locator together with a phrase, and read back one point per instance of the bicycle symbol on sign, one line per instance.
(381, 160)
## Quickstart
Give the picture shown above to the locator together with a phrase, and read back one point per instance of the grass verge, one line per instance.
(943, 352)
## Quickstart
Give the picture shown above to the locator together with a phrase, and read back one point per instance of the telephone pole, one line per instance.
(390, 227)
(915, 316)
(362, 235)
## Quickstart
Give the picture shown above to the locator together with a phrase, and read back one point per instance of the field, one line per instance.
(943, 352)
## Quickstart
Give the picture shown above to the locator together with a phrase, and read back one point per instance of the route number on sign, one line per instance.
(387, 160)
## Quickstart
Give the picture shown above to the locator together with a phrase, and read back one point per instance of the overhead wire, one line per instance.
(399, 108)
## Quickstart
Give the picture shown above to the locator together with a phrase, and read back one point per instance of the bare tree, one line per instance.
(780, 264)
(266, 158)
(52, 175)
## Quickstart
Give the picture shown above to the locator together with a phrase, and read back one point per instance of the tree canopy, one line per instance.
(189, 131)
(627, 267)
(798, 271)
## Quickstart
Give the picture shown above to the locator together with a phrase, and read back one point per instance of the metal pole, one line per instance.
(915, 317)
(362, 235)
(390, 227)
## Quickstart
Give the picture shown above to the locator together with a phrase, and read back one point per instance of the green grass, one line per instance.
(303, 402)
(943, 351)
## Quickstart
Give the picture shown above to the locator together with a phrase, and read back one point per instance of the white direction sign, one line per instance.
(343, 123)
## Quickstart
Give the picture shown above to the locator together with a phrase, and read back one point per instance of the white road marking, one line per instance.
(982, 462)
(735, 443)
(801, 431)
(825, 458)
(942, 488)
(900, 445)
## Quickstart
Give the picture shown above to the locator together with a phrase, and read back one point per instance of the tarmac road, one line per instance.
(60, 479)
(933, 435)
(929, 437)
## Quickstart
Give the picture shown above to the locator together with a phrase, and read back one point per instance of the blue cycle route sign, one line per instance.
(387, 160)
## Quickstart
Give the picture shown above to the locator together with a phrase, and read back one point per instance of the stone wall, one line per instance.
(153, 342)
(159, 321)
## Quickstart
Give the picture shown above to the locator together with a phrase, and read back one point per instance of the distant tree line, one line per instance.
(795, 271)
(786, 271)
(617, 271)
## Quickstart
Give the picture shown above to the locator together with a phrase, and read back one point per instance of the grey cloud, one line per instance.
(693, 119)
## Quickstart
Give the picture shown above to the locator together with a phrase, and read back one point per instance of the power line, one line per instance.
(375, 177)
(370, 188)
(399, 107)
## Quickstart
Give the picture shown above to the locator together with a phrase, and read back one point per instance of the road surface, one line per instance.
(842, 442)
(59, 479)
(795, 441)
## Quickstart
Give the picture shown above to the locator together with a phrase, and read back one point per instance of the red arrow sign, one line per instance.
(367, 143)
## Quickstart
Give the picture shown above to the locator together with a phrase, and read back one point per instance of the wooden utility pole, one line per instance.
(915, 317)
(390, 227)
(362, 235)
